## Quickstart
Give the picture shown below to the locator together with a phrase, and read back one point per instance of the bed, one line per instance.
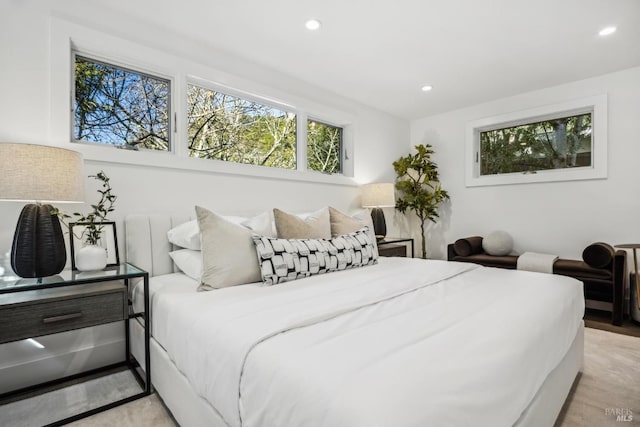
(406, 342)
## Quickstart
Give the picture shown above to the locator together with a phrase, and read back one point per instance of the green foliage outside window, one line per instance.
(233, 129)
(121, 107)
(324, 144)
(551, 144)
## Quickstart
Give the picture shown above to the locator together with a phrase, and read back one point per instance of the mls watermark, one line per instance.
(621, 414)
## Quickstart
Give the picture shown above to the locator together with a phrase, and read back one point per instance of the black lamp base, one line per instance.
(379, 224)
(38, 244)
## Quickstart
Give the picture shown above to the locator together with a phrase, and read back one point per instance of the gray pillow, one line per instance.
(342, 223)
(228, 253)
(315, 225)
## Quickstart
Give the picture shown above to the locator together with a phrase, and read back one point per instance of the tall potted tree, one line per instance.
(419, 187)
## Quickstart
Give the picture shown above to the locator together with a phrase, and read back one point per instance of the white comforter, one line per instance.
(407, 342)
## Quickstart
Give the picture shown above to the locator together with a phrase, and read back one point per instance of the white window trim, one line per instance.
(67, 37)
(598, 169)
(301, 135)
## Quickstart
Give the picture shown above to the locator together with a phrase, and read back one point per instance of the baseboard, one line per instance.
(602, 320)
(598, 305)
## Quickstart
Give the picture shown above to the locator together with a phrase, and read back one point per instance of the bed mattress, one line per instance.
(406, 342)
(167, 284)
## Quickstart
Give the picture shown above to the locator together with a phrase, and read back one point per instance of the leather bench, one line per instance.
(601, 269)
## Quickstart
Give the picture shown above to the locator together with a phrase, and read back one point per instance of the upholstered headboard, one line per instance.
(146, 242)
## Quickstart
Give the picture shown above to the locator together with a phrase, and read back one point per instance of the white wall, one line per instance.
(26, 116)
(25, 84)
(557, 217)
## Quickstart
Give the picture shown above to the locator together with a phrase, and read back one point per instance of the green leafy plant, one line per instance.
(417, 181)
(97, 216)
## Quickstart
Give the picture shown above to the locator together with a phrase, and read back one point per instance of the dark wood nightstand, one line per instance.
(72, 300)
(395, 246)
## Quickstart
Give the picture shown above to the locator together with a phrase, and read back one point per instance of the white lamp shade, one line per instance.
(381, 195)
(40, 173)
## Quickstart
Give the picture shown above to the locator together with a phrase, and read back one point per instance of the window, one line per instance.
(119, 106)
(233, 129)
(324, 146)
(564, 142)
(561, 142)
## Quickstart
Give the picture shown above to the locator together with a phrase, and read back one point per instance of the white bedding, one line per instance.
(407, 342)
(166, 284)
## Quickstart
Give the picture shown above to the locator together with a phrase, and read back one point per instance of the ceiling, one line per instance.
(381, 53)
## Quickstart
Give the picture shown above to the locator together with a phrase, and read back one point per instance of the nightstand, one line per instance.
(395, 246)
(71, 300)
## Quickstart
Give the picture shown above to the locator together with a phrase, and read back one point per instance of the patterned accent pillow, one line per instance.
(282, 260)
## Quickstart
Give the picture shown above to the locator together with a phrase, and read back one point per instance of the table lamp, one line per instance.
(378, 196)
(38, 173)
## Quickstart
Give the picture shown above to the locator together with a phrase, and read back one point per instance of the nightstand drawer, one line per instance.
(49, 317)
(392, 250)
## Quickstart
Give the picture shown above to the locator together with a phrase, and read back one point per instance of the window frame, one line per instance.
(67, 36)
(596, 105)
(129, 68)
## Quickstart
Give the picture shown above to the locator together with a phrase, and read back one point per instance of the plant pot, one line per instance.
(91, 258)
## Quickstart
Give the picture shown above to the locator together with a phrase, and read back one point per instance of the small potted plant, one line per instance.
(91, 256)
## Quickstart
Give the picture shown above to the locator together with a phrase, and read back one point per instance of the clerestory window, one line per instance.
(129, 108)
(229, 128)
(324, 146)
(120, 106)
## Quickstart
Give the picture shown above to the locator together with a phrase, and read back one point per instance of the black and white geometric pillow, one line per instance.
(282, 260)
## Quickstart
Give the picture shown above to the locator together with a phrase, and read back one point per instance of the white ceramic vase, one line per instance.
(91, 258)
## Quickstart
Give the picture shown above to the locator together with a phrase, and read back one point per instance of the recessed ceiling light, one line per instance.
(426, 88)
(607, 30)
(312, 24)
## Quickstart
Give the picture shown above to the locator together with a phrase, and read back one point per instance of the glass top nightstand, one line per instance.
(68, 301)
(69, 277)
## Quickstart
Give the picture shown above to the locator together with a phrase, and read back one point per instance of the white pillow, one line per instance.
(189, 262)
(187, 235)
(228, 254)
(261, 224)
(498, 243)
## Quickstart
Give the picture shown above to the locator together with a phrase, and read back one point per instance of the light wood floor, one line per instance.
(610, 381)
